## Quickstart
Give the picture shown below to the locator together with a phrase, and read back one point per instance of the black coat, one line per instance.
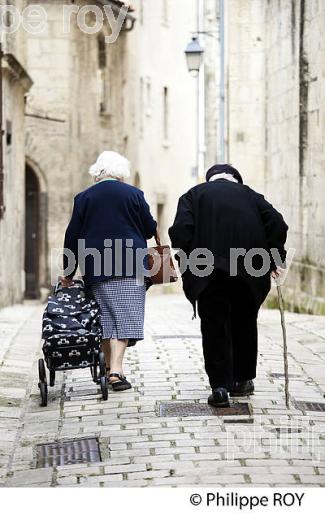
(221, 215)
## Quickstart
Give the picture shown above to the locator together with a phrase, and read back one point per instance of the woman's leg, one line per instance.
(117, 349)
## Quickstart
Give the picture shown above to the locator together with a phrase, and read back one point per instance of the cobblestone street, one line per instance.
(271, 447)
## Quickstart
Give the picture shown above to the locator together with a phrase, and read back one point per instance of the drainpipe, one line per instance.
(200, 138)
(2, 208)
(221, 153)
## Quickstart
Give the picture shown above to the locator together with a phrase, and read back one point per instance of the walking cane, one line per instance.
(285, 347)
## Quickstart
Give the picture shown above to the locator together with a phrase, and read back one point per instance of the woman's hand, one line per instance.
(66, 282)
(157, 238)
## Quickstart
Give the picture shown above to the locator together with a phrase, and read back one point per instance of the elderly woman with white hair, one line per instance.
(110, 224)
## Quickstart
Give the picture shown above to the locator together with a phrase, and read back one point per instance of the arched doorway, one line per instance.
(32, 234)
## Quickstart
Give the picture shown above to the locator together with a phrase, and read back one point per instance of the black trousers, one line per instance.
(228, 315)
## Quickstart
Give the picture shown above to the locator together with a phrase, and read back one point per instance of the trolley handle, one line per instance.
(59, 288)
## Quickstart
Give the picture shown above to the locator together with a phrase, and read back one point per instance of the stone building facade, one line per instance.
(74, 110)
(275, 123)
(264, 112)
(162, 138)
(16, 83)
(133, 96)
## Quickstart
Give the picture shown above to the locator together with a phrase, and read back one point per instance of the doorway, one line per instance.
(32, 234)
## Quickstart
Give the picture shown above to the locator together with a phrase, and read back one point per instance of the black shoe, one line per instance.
(219, 398)
(120, 384)
(242, 388)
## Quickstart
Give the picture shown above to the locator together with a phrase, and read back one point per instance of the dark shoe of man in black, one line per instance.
(242, 388)
(219, 398)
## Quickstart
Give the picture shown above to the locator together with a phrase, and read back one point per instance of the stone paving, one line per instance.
(275, 446)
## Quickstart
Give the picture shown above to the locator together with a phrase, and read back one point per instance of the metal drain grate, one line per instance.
(179, 336)
(197, 409)
(307, 406)
(69, 452)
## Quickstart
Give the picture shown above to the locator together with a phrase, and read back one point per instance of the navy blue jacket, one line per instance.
(114, 220)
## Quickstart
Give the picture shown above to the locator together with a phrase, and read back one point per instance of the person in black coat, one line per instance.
(245, 238)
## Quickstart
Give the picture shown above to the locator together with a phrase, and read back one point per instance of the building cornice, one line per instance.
(116, 5)
(12, 66)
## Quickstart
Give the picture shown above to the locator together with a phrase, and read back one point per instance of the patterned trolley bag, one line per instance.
(71, 329)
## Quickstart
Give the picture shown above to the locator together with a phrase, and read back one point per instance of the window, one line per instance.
(137, 180)
(8, 133)
(141, 11)
(102, 74)
(165, 114)
(161, 216)
(141, 103)
(148, 96)
(165, 12)
(101, 49)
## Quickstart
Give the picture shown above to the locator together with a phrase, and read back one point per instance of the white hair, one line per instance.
(110, 164)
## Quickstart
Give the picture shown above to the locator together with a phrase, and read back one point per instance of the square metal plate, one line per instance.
(68, 452)
(307, 406)
(178, 409)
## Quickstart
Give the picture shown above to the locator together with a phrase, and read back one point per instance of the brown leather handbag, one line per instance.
(160, 262)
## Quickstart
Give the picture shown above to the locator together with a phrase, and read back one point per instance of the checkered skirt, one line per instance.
(122, 303)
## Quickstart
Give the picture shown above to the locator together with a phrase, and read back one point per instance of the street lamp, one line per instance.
(194, 56)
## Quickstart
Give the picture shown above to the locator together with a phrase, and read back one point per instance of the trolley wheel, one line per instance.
(95, 373)
(41, 370)
(52, 377)
(102, 364)
(94, 369)
(43, 390)
(103, 387)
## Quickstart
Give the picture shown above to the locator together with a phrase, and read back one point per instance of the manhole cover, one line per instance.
(178, 336)
(195, 409)
(69, 452)
(307, 406)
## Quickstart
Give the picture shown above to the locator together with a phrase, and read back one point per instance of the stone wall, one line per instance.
(12, 227)
(246, 25)
(141, 102)
(295, 155)
(276, 125)
(162, 110)
(67, 127)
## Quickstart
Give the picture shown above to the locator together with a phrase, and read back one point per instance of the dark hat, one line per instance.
(223, 168)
